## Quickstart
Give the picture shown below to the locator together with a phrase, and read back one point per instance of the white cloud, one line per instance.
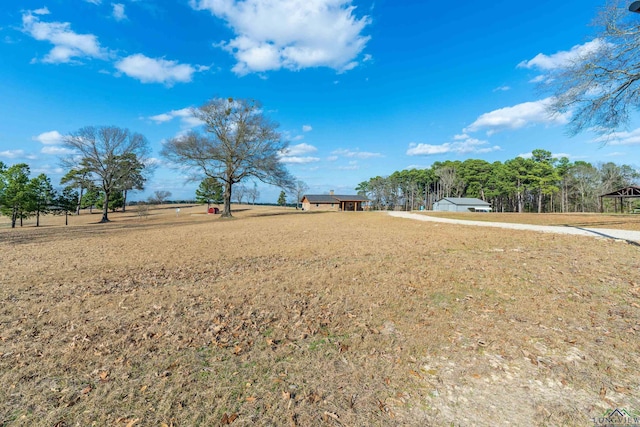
(563, 58)
(356, 154)
(502, 89)
(307, 128)
(463, 144)
(48, 170)
(49, 138)
(151, 70)
(291, 34)
(353, 165)
(296, 154)
(118, 12)
(12, 154)
(186, 118)
(42, 11)
(94, 1)
(517, 117)
(67, 45)
(620, 138)
(299, 159)
(299, 149)
(332, 158)
(56, 150)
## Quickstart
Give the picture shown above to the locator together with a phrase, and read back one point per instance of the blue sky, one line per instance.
(359, 88)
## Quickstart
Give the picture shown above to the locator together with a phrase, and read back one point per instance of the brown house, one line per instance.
(333, 202)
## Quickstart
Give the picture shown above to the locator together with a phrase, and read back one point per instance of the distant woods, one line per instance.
(23, 197)
(541, 183)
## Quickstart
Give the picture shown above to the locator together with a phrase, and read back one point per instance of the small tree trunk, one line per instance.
(79, 201)
(540, 201)
(66, 218)
(226, 213)
(105, 208)
(38, 218)
(124, 201)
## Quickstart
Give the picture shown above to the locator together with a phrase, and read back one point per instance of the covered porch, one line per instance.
(619, 196)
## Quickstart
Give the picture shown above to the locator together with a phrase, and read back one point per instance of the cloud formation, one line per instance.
(462, 144)
(563, 58)
(56, 150)
(156, 70)
(12, 154)
(355, 154)
(296, 154)
(49, 138)
(68, 46)
(186, 118)
(517, 117)
(620, 138)
(118, 12)
(290, 34)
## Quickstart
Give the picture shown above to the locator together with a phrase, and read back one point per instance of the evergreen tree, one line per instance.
(65, 202)
(41, 196)
(282, 199)
(16, 196)
(209, 191)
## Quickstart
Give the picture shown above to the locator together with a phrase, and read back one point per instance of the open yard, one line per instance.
(283, 318)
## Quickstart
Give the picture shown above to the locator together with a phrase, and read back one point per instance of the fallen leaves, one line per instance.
(228, 419)
(104, 376)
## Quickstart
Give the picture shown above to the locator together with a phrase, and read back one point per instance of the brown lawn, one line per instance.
(279, 317)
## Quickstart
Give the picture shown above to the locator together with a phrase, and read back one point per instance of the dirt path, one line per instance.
(632, 237)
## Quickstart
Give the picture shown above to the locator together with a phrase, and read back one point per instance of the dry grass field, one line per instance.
(283, 318)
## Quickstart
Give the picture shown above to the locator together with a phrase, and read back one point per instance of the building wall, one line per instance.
(320, 206)
(446, 206)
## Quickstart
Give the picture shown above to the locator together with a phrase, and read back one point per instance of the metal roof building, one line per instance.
(461, 204)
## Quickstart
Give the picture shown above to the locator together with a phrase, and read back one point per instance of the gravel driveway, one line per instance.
(629, 236)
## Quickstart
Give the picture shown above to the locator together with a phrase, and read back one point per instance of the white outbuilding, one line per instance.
(461, 204)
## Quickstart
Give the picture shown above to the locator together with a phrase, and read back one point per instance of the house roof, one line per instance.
(465, 201)
(333, 198)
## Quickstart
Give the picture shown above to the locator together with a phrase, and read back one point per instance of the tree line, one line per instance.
(22, 197)
(540, 183)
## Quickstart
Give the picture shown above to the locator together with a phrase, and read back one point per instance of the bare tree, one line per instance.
(299, 190)
(100, 151)
(450, 181)
(240, 143)
(601, 85)
(240, 192)
(159, 197)
(253, 193)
